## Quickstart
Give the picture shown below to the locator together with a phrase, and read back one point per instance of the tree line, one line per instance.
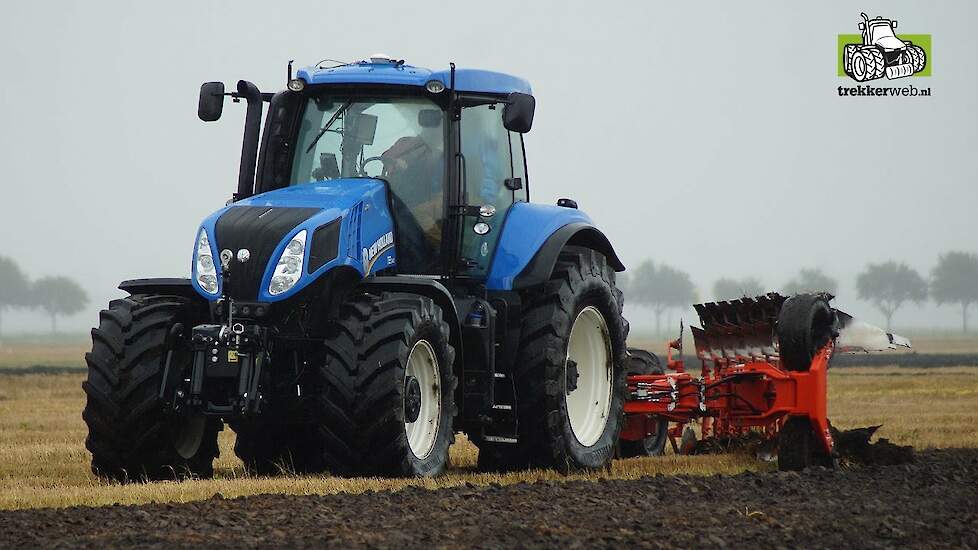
(888, 286)
(55, 295)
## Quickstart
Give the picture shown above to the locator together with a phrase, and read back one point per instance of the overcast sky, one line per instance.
(708, 135)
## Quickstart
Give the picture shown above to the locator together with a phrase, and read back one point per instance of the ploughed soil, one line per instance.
(930, 502)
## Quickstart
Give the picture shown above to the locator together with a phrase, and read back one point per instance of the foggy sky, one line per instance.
(708, 135)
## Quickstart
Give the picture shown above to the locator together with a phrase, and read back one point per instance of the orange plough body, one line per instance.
(732, 395)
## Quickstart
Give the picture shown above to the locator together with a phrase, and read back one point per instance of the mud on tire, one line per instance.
(129, 436)
(581, 279)
(362, 395)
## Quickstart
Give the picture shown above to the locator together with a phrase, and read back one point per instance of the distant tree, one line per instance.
(889, 285)
(661, 288)
(58, 296)
(955, 281)
(811, 280)
(14, 286)
(731, 289)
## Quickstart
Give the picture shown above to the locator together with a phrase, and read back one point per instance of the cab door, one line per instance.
(494, 178)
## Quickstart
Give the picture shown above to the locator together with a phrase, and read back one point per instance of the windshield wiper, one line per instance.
(332, 119)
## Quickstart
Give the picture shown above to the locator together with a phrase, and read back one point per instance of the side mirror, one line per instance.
(518, 112)
(211, 103)
(894, 24)
(862, 26)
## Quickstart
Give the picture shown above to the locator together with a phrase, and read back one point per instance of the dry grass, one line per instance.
(43, 461)
(27, 354)
(926, 408)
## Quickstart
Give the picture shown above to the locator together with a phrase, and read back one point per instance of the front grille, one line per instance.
(259, 229)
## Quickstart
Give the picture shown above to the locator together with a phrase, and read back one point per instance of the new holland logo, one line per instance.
(370, 254)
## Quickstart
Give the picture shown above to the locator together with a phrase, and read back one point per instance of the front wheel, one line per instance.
(129, 435)
(570, 379)
(385, 398)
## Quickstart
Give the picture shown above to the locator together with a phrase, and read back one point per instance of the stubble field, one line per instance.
(44, 464)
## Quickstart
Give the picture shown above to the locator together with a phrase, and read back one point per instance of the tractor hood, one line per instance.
(890, 43)
(335, 221)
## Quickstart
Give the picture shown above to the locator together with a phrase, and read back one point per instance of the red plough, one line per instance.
(764, 364)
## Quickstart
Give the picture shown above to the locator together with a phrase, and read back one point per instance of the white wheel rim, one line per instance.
(589, 404)
(423, 366)
(188, 435)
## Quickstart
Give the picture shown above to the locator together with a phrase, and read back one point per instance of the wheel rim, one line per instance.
(588, 394)
(858, 67)
(422, 372)
(187, 434)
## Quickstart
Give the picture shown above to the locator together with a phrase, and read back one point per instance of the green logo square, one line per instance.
(922, 40)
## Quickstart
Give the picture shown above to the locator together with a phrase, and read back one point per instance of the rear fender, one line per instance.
(532, 239)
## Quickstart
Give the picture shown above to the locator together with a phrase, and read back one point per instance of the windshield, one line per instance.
(399, 139)
(360, 137)
(880, 30)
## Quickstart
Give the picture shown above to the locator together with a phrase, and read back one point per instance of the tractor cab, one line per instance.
(447, 147)
(879, 32)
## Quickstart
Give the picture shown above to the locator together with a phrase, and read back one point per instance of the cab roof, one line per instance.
(384, 70)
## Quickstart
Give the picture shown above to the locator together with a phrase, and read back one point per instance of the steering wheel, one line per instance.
(364, 162)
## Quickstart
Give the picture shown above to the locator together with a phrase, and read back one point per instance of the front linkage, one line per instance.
(225, 378)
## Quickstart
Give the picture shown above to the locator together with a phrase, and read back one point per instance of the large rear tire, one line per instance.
(570, 377)
(384, 401)
(129, 435)
(918, 57)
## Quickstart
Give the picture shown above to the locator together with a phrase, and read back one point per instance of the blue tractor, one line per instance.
(378, 283)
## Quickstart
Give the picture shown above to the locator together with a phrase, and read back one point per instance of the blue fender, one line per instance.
(533, 236)
(366, 235)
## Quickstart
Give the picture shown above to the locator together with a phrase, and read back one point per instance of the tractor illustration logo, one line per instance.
(882, 53)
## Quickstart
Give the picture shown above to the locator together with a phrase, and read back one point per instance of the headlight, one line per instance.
(289, 267)
(206, 272)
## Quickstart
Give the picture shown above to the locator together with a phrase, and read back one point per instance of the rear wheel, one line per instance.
(384, 402)
(644, 362)
(570, 370)
(918, 58)
(129, 435)
(799, 448)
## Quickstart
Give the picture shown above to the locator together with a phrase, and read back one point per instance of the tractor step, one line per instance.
(499, 439)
